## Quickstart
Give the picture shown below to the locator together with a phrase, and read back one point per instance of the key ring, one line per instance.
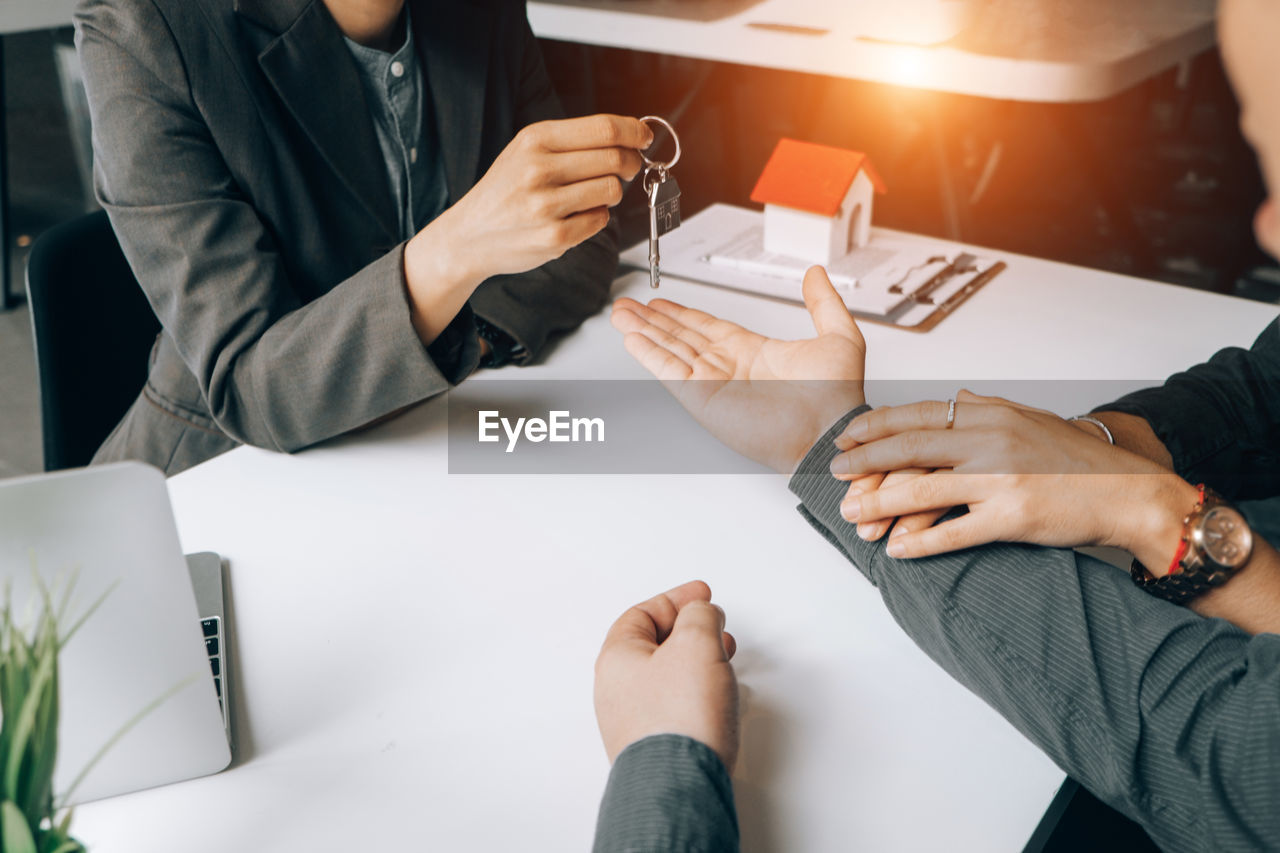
(653, 176)
(654, 164)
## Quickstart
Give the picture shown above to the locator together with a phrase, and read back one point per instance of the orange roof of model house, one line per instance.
(813, 178)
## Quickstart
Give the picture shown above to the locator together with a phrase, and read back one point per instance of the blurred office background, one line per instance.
(45, 187)
(1155, 182)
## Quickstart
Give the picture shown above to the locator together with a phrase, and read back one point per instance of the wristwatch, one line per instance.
(502, 347)
(1216, 543)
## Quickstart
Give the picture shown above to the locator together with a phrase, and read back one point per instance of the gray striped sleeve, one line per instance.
(667, 794)
(1169, 717)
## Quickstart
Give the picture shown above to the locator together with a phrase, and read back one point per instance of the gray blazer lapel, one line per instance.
(454, 41)
(308, 66)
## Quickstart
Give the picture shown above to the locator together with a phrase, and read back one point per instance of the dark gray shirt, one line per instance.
(398, 101)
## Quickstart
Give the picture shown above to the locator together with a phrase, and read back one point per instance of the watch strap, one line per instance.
(1189, 576)
(1180, 587)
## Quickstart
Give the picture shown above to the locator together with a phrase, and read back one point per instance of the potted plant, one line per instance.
(29, 820)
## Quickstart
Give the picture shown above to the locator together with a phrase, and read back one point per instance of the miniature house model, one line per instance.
(817, 201)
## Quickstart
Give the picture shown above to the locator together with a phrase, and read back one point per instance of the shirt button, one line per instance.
(413, 155)
(397, 69)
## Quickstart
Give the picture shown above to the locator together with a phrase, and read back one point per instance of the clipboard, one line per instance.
(896, 281)
(942, 309)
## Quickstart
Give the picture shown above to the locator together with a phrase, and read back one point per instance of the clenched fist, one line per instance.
(664, 669)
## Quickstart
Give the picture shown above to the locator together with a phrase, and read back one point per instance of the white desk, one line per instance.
(1045, 50)
(413, 651)
(1024, 50)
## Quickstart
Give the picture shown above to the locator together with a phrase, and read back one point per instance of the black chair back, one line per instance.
(93, 333)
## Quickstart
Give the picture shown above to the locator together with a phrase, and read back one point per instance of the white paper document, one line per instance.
(891, 279)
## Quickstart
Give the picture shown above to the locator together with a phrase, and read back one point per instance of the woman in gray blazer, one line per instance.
(338, 208)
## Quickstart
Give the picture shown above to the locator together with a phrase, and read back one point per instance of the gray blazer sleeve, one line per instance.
(1171, 718)
(275, 372)
(555, 298)
(667, 794)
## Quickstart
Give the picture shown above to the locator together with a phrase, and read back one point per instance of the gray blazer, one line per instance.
(238, 161)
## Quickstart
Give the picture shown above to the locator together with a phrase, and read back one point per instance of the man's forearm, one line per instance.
(669, 793)
(1251, 599)
(1155, 709)
(1218, 421)
(1136, 435)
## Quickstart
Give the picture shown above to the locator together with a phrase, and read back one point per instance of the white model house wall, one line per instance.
(821, 239)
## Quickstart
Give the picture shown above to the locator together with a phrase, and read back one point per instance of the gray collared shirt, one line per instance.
(400, 106)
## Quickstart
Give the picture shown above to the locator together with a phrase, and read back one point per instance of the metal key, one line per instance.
(664, 216)
(664, 200)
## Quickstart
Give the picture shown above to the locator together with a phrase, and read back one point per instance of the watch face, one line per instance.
(1224, 537)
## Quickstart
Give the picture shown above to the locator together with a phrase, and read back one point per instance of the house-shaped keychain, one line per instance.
(817, 201)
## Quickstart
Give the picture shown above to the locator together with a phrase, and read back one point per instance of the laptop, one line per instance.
(150, 660)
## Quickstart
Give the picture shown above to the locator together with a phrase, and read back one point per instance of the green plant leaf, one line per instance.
(58, 841)
(18, 675)
(68, 846)
(15, 835)
(25, 724)
(37, 800)
(29, 704)
(69, 587)
(33, 791)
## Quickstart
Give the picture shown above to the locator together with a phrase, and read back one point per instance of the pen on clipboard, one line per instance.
(968, 290)
(962, 265)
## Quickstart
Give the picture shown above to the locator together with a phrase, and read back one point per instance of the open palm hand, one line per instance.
(768, 399)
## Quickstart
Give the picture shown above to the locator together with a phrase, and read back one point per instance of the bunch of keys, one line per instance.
(664, 199)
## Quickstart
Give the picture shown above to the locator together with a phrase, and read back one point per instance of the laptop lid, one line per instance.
(112, 528)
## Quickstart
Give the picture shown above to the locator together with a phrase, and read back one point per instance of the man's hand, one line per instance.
(549, 190)
(767, 399)
(664, 669)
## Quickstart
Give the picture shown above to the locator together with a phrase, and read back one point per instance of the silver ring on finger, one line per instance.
(951, 414)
